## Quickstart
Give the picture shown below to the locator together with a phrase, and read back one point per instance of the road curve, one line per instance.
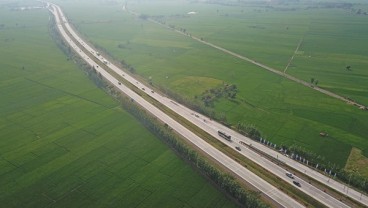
(281, 198)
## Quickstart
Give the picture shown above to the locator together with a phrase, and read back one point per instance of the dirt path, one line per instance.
(281, 73)
(292, 57)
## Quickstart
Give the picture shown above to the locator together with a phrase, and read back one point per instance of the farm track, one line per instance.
(272, 192)
(115, 82)
(292, 57)
(263, 66)
(340, 188)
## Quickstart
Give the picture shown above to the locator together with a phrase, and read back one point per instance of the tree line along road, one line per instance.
(210, 127)
(270, 191)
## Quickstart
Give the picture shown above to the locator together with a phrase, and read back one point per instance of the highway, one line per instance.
(212, 127)
(275, 194)
(339, 187)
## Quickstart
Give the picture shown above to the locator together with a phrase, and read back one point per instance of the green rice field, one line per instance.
(286, 112)
(66, 143)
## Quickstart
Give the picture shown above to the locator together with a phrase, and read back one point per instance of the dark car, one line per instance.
(297, 183)
(238, 148)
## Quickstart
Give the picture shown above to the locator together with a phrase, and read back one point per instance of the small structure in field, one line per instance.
(323, 134)
(363, 108)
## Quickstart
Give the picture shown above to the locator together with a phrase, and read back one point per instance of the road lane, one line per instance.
(212, 127)
(241, 171)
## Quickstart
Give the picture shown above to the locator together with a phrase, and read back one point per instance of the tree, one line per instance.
(150, 80)
(348, 68)
(312, 80)
(144, 16)
(223, 117)
(232, 95)
(132, 69)
(233, 87)
(239, 125)
(316, 82)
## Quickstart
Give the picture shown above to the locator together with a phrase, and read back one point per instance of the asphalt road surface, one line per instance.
(266, 188)
(212, 127)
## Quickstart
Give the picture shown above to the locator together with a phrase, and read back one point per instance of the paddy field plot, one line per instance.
(332, 37)
(66, 143)
(287, 113)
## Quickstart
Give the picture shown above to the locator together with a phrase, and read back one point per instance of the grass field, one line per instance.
(286, 112)
(66, 143)
(331, 38)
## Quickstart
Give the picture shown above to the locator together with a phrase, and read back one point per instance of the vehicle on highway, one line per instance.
(228, 138)
(238, 148)
(224, 135)
(119, 83)
(297, 183)
(143, 88)
(290, 175)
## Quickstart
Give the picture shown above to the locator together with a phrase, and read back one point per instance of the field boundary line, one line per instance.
(292, 57)
(252, 61)
(77, 39)
(68, 93)
(272, 192)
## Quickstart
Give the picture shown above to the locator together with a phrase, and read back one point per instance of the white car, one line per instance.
(290, 175)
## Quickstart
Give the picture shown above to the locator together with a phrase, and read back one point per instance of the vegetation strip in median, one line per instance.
(204, 135)
(342, 174)
(223, 181)
(134, 87)
(349, 177)
(269, 177)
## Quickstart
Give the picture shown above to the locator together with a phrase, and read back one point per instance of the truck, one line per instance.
(224, 135)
